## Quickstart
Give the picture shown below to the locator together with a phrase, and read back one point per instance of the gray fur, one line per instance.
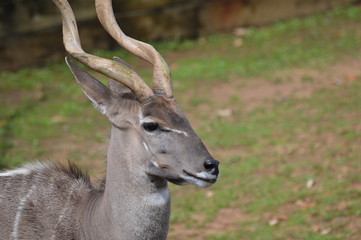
(42, 204)
(50, 201)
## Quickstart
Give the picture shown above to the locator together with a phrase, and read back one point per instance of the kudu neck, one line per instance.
(131, 197)
(127, 163)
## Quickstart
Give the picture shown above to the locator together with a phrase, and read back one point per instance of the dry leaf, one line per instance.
(310, 183)
(227, 112)
(237, 42)
(209, 194)
(276, 219)
(326, 231)
(273, 222)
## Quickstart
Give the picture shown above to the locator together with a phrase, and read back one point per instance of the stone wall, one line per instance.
(30, 30)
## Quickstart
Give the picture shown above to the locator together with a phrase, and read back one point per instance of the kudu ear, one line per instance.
(97, 93)
(118, 88)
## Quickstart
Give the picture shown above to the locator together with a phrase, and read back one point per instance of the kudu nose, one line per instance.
(211, 165)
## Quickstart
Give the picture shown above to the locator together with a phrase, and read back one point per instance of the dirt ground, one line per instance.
(252, 93)
(256, 93)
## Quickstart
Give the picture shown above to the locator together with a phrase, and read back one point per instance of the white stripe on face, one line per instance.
(149, 120)
(147, 148)
(176, 131)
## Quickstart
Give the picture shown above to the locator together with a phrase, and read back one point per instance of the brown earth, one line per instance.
(252, 93)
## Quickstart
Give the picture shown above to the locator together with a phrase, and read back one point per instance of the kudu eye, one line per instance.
(150, 126)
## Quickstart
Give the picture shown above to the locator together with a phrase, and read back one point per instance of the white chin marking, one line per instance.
(205, 175)
(196, 181)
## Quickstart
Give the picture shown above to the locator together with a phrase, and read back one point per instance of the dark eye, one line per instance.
(150, 126)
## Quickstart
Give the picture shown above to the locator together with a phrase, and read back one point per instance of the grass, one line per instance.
(272, 190)
(269, 152)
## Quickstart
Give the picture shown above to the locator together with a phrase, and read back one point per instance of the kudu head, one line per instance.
(150, 117)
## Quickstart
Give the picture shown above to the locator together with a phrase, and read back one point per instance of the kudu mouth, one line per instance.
(203, 176)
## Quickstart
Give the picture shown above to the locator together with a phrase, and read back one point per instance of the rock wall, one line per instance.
(33, 27)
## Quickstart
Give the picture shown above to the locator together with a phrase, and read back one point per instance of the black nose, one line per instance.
(211, 165)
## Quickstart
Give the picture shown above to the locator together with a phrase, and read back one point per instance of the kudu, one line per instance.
(151, 143)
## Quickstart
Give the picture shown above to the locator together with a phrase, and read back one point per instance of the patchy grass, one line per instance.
(281, 148)
(280, 109)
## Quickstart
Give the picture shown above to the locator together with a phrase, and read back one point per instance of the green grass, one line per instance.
(268, 152)
(243, 176)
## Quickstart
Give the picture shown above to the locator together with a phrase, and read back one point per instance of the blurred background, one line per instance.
(34, 25)
(272, 87)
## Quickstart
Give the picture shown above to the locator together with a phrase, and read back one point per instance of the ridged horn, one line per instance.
(161, 74)
(115, 70)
